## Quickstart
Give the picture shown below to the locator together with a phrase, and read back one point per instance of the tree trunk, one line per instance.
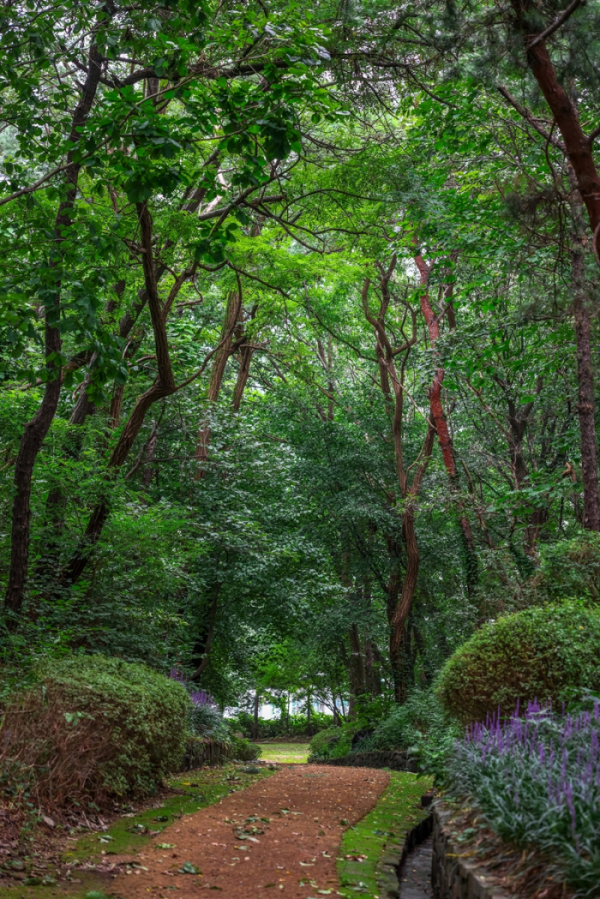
(578, 147)
(216, 377)
(356, 668)
(409, 490)
(37, 428)
(163, 387)
(438, 416)
(203, 645)
(255, 715)
(585, 405)
(246, 353)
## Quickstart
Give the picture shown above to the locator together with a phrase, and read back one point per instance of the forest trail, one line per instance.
(280, 836)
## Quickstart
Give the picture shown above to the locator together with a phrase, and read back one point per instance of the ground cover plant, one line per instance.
(421, 727)
(536, 778)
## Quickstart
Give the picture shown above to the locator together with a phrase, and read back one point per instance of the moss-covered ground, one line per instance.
(397, 811)
(284, 753)
(126, 836)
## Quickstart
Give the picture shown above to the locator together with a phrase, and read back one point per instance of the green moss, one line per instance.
(397, 811)
(546, 653)
(89, 882)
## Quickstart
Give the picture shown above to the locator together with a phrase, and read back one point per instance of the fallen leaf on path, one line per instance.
(189, 868)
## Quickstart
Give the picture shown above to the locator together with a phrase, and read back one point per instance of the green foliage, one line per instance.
(296, 726)
(205, 720)
(119, 726)
(570, 570)
(333, 742)
(545, 653)
(243, 750)
(145, 711)
(420, 727)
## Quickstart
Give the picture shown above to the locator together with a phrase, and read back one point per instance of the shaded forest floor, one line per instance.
(301, 831)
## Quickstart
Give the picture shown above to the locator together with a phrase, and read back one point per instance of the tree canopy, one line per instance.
(298, 315)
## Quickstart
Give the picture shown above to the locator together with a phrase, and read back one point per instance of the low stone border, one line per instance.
(202, 751)
(391, 863)
(397, 761)
(454, 875)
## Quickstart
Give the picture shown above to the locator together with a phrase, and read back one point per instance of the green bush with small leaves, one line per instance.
(332, 743)
(93, 728)
(421, 728)
(549, 653)
(244, 751)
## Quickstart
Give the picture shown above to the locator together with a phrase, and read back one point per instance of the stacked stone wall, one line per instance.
(396, 760)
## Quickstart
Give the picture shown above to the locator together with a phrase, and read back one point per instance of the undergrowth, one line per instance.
(537, 780)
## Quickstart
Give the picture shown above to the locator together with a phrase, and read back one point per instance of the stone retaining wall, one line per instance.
(200, 751)
(397, 761)
(391, 863)
(455, 875)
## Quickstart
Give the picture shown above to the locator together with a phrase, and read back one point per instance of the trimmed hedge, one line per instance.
(546, 653)
(91, 729)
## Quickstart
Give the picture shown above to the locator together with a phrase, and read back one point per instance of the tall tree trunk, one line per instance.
(246, 353)
(372, 678)
(585, 384)
(217, 373)
(356, 668)
(255, 715)
(578, 147)
(163, 387)
(409, 490)
(37, 428)
(438, 416)
(204, 644)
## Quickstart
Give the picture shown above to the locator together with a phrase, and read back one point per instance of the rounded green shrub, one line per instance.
(95, 727)
(243, 750)
(333, 742)
(545, 653)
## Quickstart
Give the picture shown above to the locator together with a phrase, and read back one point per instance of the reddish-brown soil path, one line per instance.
(292, 852)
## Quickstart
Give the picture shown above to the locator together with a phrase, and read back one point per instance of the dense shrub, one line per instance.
(569, 569)
(543, 653)
(537, 780)
(296, 726)
(92, 728)
(205, 720)
(244, 751)
(332, 743)
(418, 726)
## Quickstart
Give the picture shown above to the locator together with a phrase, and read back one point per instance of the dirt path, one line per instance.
(294, 822)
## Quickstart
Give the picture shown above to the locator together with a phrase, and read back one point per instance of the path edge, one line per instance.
(390, 865)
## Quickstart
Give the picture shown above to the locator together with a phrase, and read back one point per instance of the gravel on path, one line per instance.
(281, 836)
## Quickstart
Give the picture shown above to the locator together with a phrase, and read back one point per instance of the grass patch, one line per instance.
(285, 753)
(128, 835)
(397, 811)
